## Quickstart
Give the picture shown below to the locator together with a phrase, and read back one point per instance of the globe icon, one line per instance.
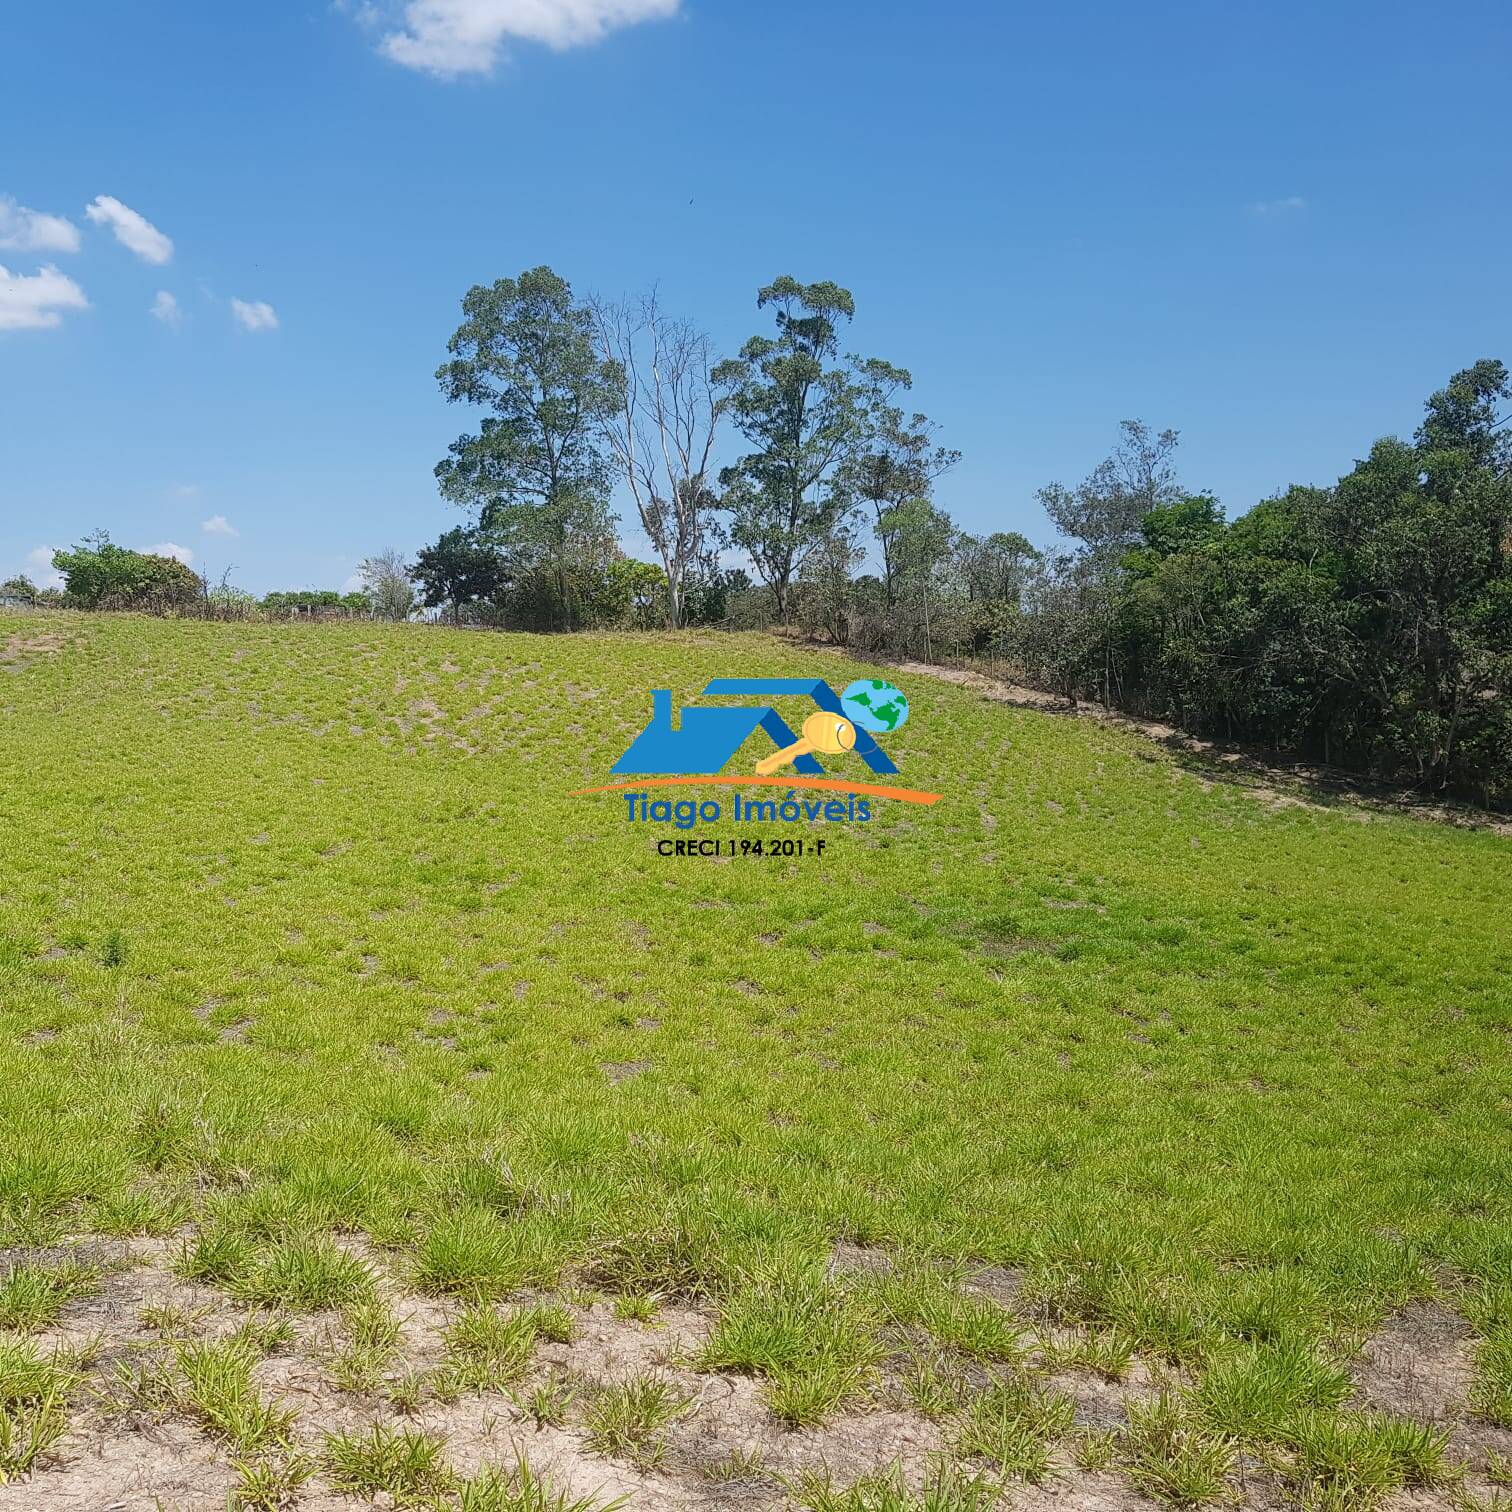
(874, 706)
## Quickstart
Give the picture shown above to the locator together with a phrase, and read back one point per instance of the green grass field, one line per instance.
(1100, 1076)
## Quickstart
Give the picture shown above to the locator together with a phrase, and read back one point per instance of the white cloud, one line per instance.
(219, 525)
(452, 37)
(166, 308)
(1285, 206)
(254, 315)
(169, 549)
(24, 230)
(39, 567)
(133, 231)
(187, 490)
(36, 302)
(353, 584)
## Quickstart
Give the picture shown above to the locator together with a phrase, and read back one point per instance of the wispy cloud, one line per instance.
(219, 525)
(36, 302)
(134, 232)
(187, 491)
(254, 315)
(23, 230)
(166, 308)
(170, 549)
(1288, 205)
(448, 38)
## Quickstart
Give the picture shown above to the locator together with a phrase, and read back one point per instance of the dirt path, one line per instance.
(1279, 784)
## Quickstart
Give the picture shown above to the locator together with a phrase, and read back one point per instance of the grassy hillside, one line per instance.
(1099, 1069)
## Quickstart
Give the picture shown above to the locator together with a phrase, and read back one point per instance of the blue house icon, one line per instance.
(704, 743)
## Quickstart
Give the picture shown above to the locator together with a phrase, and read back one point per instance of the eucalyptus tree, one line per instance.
(660, 432)
(923, 538)
(802, 410)
(995, 569)
(535, 471)
(898, 460)
(1104, 513)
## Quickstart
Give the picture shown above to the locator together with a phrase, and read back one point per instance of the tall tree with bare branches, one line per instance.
(661, 431)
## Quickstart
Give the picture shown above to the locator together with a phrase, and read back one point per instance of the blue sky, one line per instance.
(1276, 228)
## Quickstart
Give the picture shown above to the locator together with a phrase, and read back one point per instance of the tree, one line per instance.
(802, 413)
(461, 568)
(1370, 621)
(638, 591)
(1185, 524)
(535, 471)
(1461, 417)
(661, 431)
(922, 536)
(827, 577)
(706, 600)
(995, 569)
(897, 461)
(1104, 512)
(20, 588)
(101, 575)
(386, 581)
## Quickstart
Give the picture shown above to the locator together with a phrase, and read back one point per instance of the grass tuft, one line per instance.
(305, 1275)
(34, 1395)
(815, 1344)
(937, 1384)
(1254, 1394)
(548, 1403)
(919, 1297)
(268, 1485)
(485, 1351)
(408, 1465)
(472, 1253)
(629, 1420)
(946, 1489)
(1014, 1423)
(371, 1337)
(218, 1389)
(637, 1307)
(519, 1489)
(1172, 1456)
(215, 1255)
(33, 1296)
(1354, 1459)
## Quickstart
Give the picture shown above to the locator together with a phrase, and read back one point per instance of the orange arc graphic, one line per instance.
(824, 784)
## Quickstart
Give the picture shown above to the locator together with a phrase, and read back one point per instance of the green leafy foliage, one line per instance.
(101, 575)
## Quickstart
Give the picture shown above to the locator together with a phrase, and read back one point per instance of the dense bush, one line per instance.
(1369, 623)
(101, 575)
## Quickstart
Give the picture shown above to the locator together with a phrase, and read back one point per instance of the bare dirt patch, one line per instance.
(726, 1448)
(163, 1466)
(18, 650)
(1418, 1364)
(1082, 1490)
(620, 1071)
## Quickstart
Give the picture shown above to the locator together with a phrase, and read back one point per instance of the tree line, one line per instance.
(1368, 623)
